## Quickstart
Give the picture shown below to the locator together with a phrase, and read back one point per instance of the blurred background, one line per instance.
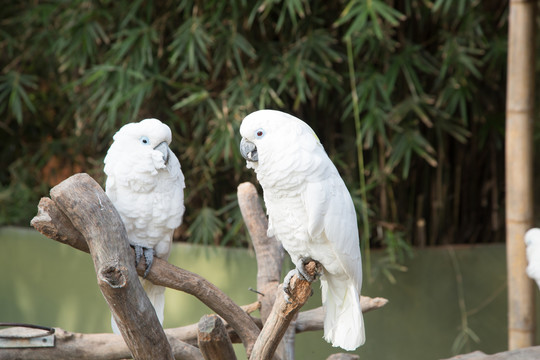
(407, 96)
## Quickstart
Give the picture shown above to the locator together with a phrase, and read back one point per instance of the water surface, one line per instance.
(47, 283)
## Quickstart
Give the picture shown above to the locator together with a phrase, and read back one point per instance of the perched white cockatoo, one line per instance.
(532, 242)
(311, 212)
(146, 185)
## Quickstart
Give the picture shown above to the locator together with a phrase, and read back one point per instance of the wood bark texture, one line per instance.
(81, 216)
(70, 345)
(53, 223)
(528, 353)
(343, 356)
(91, 212)
(282, 314)
(214, 340)
(269, 254)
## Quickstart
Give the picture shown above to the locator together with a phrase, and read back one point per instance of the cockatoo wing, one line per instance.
(332, 218)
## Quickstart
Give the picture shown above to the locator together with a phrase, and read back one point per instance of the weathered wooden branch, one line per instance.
(214, 340)
(70, 345)
(53, 223)
(343, 356)
(269, 254)
(183, 339)
(282, 314)
(517, 354)
(268, 251)
(89, 209)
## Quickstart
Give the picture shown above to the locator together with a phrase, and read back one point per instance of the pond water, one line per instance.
(44, 282)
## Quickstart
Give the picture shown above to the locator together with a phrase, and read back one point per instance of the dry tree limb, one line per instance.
(268, 250)
(282, 314)
(53, 223)
(182, 339)
(214, 340)
(83, 201)
(516, 354)
(70, 345)
(269, 254)
(343, 356)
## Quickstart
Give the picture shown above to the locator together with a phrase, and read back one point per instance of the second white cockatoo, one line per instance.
(532, 242)
(146, 185)
(311, 212)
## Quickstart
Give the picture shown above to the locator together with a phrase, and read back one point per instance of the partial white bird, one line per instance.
(311, 212)
(146, 185)
(532, 242)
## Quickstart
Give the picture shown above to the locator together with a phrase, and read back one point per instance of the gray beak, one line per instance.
(164, 149)
(248, 150)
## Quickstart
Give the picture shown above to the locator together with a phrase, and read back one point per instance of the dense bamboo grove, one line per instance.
(407, 97)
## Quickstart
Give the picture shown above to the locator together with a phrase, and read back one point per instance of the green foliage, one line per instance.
(412, 113)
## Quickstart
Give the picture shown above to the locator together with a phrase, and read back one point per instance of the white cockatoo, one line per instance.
(146, 185)
(311, 212)
(532, 242)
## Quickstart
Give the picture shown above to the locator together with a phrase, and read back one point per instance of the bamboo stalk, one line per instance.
(518, 160)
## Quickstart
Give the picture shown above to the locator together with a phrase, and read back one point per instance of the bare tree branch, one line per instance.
(214, 340)
(53, 223)
(282, 314)
(83, 201)
(517, 354)
(70, 345)
(343, 356)
(269, 253)
(268, 250)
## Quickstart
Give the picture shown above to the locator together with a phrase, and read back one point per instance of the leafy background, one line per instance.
(407, 96)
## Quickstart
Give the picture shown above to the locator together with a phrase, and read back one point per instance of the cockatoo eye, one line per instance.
(259, 133)
(144, 140)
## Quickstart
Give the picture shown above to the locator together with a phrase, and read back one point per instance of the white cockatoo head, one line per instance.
(138, 149)
(147, 139)
(270, 133)
(281, 148)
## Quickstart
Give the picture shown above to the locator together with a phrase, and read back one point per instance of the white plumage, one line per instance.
(311, 212)
(145, 183)
(532, 242)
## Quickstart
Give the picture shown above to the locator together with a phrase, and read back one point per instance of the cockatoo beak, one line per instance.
(249, 150)
(164, 149)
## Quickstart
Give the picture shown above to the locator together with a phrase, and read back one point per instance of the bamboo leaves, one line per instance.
(406, 86)
(14, 96)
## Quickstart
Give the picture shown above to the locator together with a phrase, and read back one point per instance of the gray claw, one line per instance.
(149, 257)
(287, 285)
(148, 254)
(302, 270)
(138, 254)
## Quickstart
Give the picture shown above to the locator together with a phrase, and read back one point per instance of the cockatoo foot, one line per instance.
(300, 271)
(148, 254)
(287, 285)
